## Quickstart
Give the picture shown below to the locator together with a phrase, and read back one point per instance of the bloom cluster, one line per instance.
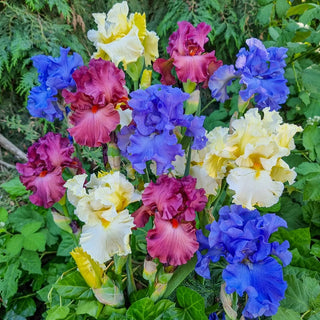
(157, 112)
(175, 169)
(250, 157)
(242, 237)
(42, 174)
(173, 203)
(54, 75)
(261, 70)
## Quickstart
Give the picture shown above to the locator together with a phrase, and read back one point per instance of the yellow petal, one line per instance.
(90, 270)
(150, 44)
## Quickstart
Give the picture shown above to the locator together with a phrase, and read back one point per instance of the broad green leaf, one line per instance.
(282, 7)
(308, 167)
(92, 308)
(309, 15)
(24, 215)
(141, 310)
(310, 262)
(58, 313)
(161, 306)
(264, 14)
(14, 187)
(25, 307)
(11, 315)
(311, 213)
(299, 9)
(31, 227)
(273, 33)
(108, 311)
(287, 314)
(311, 141)
(315, 250)
(192, 303)
(299, 238)
(14, 245)
(311, 78)
(73, 286)
(311, 190)
(35, 241)
(3, 215)
(9, 283)
(300, 293)
(67, 244)
(30, 262)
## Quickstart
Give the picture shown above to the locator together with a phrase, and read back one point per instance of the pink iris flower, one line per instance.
(42, 174)
(188, 56)
(100, 87)
(173, 203)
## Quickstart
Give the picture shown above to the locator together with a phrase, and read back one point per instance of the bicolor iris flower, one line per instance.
(251, 157)
(242, 237)
(173, 203)
(123, 39)
(96, 104)
(188, 56)
(101, 205)
(42, 174)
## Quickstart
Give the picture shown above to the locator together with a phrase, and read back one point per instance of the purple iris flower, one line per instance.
(157, 111)
(54, 74)
(242, 237)
(261, 70)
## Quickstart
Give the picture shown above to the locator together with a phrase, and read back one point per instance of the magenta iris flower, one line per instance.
(173, 203)
(188, 56)
(157, 111)
(242, 237)
(42, 174)
(261, 70)
(54, 74)
(100, 87)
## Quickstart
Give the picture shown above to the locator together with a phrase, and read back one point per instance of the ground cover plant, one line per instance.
(172, 160)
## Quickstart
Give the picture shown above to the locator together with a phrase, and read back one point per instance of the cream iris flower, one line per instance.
(250, 157)
(101, 206)
(123, 39)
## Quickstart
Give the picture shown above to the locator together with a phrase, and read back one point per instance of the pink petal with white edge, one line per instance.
(93, 127)
(172, 242)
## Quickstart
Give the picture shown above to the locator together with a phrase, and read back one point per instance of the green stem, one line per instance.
(204, 220)
(131, 286)
(295, 76)
(207, 105)
(187, 169)
(216, 201)
(135, 85)
(179, 275)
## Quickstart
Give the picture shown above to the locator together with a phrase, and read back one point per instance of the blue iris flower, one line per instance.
(54, 74)
(261, 70)
(242, 237)
(157, 111)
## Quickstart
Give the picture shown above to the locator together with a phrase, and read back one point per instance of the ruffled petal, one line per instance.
(93, 128)
(172, 242)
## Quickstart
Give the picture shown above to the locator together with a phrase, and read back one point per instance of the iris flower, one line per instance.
(42, 174)
(173, 203)
(188, 56)
(242, 237)
(261, 70)
(251, 157)
(101, 205)
(123, 39)
(95, 110)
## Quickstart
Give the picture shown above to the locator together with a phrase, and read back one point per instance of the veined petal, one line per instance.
(104, 242)
(126, 49)
(94, 128)
(254, 187)
(150, 44)
(75, 188)
(172, 242)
